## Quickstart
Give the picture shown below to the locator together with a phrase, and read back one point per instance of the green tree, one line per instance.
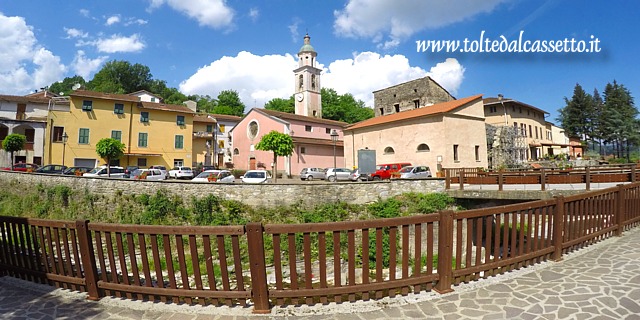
(576, 117)
(344, 107)
(12, 143)
(619, 117)
(66, 86)
(279, 143)
(110, 149)
(229, 103)
(282, 105)
(122, 77)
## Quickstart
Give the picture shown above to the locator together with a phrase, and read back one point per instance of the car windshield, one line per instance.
(255, 174)
(405, 169)
(206, 174)
(383, 167)
(95, 170)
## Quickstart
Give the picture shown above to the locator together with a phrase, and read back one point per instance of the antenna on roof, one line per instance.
(76, 86)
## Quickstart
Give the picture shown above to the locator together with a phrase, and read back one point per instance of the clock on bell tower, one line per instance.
(307, 82)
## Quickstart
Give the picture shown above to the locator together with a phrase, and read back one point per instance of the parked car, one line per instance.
(101, 171)
(129, 169)
(51, 168)
(415, 172)
(312, 173)
(355, 175)
(256, 176)
(181, 173)
(385, 171)
(163, 169)
(24, 167)
(147, 174)
(335, 174)
(205, 168)
(221, 176)
(78, 171)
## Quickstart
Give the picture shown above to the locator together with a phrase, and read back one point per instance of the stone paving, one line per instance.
(601, 281)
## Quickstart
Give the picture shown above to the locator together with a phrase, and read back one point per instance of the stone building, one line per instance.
(410, 95)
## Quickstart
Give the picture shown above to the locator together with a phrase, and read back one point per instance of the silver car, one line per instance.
(312, 173)
(334, 174)
(415, 172)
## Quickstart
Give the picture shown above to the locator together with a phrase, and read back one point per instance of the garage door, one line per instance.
(90, 163)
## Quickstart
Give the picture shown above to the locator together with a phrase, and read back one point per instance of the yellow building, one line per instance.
(203, 136)
(154, 133)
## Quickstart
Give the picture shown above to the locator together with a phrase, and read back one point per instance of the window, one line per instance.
(118, 108)
(236, 152)
(87, 105)
(307, 128)
(144, 117)
(382, 111)
(30, 135)
(221, 144)
(493, 109)
(179, 142)
(477, 153)
(303, 150)
(328, 130)
(416, 104)
(153, 99)
(178, 162)
(455, 153)
(389, 150)
(221, 128)
(57, 134)
(142, 162)
(142, 139)
(531, 135)
(116, 134)
(83, 136)
(315, 113)
(397, 107)
(536, 132)
(252, 130)
(209, 128)
(423, 147)
(180, 120)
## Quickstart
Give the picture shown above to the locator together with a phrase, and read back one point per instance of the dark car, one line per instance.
(130, 169)
(77, 171)
(24, 167)
(51, 168)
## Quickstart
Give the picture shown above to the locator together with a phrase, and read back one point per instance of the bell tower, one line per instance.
(307, 82)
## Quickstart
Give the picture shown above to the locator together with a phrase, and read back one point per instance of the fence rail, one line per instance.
(271, 265)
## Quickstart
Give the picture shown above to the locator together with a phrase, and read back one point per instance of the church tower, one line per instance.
(307, 82)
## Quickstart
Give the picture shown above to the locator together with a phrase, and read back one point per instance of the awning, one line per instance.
(143, 154)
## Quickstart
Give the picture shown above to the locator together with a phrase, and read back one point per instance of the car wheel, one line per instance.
(332, 178)
(309, 178)
(376, 178)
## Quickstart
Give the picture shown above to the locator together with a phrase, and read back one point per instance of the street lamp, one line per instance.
(500, 97)
(65, 138)
(334, 138)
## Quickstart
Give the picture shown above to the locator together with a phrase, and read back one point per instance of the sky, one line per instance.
(206, 46)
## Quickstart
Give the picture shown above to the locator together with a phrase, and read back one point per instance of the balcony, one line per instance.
(203, 134)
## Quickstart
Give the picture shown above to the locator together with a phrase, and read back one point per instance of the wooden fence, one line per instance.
(542, 176)
(271, 265)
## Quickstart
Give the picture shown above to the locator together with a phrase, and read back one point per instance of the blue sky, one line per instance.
(205, 46)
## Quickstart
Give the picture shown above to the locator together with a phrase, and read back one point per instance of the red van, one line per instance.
(387, 171)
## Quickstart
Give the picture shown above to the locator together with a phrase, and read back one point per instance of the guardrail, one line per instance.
(272, 265)
(542, 176)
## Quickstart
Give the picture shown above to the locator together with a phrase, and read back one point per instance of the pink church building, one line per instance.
(313, 146)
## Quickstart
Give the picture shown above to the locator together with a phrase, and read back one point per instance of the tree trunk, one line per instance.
(275, 167)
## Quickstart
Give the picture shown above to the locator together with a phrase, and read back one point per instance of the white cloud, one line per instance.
(210, 13)
(254, 13)
(85, 13)
(112, 20)
(397, 20)
(259, 79)
(24, 64)
(75, 33)
(84, 67)
(131, 21)
(119, 43)
(293, 29)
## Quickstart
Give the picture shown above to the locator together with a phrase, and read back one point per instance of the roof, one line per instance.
(204, 118)
(165, 107)
(226, 117)
(493, 100)
(315, 141)
(297, 117)
(404, 83)
(103, 95)
(143, 92)
(307, 45)
(433, 110)
(24, 99)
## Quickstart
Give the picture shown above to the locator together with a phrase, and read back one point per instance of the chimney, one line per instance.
(191, 105)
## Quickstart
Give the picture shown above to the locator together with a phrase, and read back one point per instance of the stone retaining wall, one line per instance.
(285, 192)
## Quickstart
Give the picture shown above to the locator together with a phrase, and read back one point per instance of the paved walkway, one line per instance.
(598, 282)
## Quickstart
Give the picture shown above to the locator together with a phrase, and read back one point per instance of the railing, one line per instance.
(542, 177)
(202, 134)
(273, 265)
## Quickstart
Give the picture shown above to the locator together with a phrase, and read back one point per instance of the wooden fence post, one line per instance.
(447, 179)
(543, 180)
(500, 180)
(259, 289)
(445, 252)
(88, 259)
(633, 172)
(620, 210)
(587, 178)
(558, 228)
(461, 177)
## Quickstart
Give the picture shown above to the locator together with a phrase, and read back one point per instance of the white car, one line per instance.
(334, 174)
(147, 174)
(256, 176)
(415, 172)
(220, 176)
(181, 173)
(101, 171)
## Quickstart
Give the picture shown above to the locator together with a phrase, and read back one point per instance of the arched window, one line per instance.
(301, 82)
(236, 152)
(423, 147)
(389, 150)
(252, 129)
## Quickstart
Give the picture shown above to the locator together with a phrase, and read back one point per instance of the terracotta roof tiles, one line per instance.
(297, 117)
